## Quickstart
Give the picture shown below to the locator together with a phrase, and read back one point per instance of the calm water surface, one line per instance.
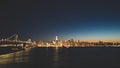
(62, 58)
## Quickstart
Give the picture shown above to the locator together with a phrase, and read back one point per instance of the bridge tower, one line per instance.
(16, 37)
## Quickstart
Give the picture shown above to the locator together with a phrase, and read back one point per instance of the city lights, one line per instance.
(76, 43)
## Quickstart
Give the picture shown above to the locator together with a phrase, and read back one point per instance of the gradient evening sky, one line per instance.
(44, 19)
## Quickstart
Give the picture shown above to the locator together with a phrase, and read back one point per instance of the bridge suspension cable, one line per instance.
(15, 36)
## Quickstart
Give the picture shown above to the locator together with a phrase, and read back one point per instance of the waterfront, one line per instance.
(46, 57)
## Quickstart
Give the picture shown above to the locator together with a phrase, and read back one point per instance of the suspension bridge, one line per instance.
(13, 40)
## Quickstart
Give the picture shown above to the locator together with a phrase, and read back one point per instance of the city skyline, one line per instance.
(59, 34)
(43, 20)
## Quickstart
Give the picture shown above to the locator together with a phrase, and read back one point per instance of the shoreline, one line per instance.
(9, 49)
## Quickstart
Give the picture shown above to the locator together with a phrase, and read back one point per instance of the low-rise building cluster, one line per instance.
(72, 43)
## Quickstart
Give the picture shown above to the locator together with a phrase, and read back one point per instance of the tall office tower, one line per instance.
(56, 38)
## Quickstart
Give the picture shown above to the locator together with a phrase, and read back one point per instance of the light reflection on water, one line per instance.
(56, 58)
(62, 58)
(15, 57)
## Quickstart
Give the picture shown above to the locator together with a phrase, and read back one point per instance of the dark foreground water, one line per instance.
(62, 58)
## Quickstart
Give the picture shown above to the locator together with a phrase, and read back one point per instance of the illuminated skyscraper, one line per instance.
(56, 38)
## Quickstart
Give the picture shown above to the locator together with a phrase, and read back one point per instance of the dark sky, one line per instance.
(44, 19)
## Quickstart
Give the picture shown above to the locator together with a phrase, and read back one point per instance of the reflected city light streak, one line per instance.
(16, 57)
(56, 57)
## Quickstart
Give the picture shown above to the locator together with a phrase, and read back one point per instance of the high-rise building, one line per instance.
(56, 38)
